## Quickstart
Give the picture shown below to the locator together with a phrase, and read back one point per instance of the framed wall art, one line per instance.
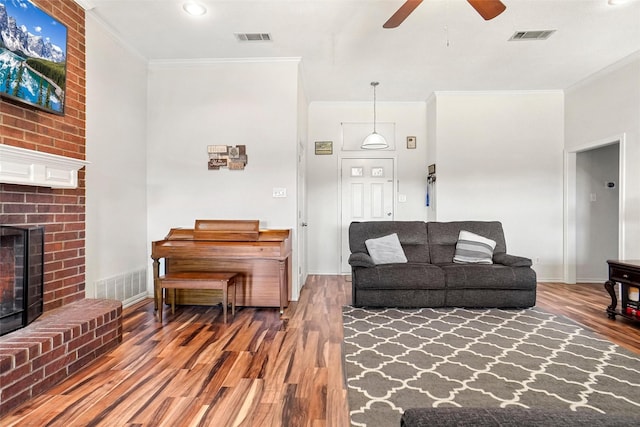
(233, 157)
(33, 62)
(324, 147)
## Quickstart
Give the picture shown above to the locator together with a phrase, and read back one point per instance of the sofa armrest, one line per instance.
(511, 260)
(361, 259)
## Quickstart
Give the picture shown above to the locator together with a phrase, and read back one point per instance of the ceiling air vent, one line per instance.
(532, 35)
(253, 37)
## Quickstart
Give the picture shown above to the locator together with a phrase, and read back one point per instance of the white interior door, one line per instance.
(302, 218)
(367, 195)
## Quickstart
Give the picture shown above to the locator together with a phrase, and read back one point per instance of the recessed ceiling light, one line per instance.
(616, 2)
(195, 9)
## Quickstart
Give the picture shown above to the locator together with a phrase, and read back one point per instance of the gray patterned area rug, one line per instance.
(398, 359)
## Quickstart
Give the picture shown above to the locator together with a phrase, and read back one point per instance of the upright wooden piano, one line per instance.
(261, 257)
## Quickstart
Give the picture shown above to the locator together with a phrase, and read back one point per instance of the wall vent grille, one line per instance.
(128, 287)
(532, 35)
(253, 37)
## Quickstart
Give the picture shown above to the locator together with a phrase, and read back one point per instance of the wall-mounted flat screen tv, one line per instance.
(33, 56)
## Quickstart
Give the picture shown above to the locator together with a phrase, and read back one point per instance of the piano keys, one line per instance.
(261, 257)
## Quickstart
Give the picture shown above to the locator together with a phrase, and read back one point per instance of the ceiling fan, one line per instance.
(488, 9)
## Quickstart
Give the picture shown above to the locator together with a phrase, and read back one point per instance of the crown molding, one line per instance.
(635, 56)
(85, 4)
(169, 63)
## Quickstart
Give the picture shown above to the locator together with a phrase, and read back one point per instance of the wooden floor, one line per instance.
(258, 370)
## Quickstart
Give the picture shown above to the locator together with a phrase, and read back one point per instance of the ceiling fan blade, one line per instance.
(402, 13)
(488, 9)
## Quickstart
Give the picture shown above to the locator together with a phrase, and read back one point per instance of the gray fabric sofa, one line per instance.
(512, 417)
(430, 278)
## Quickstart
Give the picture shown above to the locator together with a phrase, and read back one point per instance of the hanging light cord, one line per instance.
(374, 84)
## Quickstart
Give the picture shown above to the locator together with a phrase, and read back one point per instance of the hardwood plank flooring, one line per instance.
(586, 304)
(259, 370)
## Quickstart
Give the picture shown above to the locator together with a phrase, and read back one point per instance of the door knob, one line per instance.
(388, 213)
(304, 224)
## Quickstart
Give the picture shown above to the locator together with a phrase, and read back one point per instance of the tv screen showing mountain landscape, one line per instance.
(33, 56)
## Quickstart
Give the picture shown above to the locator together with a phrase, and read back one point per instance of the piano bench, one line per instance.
(197, 280)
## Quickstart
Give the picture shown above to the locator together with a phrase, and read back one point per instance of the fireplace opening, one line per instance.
(21, 276)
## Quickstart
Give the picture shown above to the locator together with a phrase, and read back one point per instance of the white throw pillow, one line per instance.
(386, 250)
(473, 249)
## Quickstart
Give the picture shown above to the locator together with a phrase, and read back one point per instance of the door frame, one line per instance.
(301, 272)
(570, 181)
(362, 155)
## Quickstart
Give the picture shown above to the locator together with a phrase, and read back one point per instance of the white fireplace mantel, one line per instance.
(28, 167)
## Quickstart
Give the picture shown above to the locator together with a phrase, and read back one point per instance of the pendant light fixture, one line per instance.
(374, 141)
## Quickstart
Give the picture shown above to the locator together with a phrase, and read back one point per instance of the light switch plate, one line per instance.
(279, 192)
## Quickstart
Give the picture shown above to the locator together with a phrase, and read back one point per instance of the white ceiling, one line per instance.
(443, 45)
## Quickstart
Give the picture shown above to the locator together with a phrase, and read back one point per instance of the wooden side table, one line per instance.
(627, 274)
(197, 280)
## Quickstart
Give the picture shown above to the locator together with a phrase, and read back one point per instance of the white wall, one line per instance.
(499, 157)
(432, 155)
(323, 184)
(602, 108)
(116, 178)
(510, 146)
(195, 104)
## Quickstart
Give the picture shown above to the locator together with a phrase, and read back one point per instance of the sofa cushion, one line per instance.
(412, 236)
(400, 276)
(495, 276)
(473, 248)
(386, 250)
(512, 416)
(443, 237)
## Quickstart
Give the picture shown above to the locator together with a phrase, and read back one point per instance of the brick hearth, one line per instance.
(58, 344)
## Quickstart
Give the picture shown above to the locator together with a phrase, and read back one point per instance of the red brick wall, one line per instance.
(61, 212)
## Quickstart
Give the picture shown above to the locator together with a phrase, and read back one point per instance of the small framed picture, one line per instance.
(411, 142)
(234, 152)
(324, 147)
(218, 149)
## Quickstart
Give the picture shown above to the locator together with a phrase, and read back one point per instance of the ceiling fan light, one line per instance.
(374, 141)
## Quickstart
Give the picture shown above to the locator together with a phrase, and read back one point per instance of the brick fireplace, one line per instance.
(60, 211)
(21, 281)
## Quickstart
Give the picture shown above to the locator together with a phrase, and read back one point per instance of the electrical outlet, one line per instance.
(402, 198)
